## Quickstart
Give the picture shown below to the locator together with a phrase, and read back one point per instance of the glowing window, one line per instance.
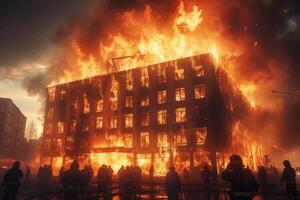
(85, 126)
(145, 101)
(162, 117)
(86, 104)
(48, 129)
(180, 115)
(113, 122)
(129, 80)
(162, 140)
(145, 119)
(99, 107)
(199, 91)
(201, 134)
(50, 113)
(128, 138)
(51, 94)
(62, 94)
(179, 74)
(59, 145)
(144, 139)
(47, 144)
(161, 74)
(180, 138)
(113, 104)
(199, 70)
(129, 101)
(162, 97)
(144, 77)
(73, 126)
(180, 94)
(129, 120)
(60, 127)
(99, 122)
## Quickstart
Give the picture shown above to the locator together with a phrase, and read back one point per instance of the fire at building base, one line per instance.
(183, 112)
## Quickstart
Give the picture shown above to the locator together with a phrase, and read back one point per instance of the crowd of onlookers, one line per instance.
(76, 182)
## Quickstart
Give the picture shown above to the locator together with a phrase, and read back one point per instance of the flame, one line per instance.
(249, 90)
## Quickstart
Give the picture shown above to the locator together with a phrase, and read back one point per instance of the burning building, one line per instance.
(178, 112)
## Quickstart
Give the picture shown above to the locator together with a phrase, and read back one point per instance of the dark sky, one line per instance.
(27, 28)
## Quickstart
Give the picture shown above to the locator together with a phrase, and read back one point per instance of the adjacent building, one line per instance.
(176, 112)
(12, 130)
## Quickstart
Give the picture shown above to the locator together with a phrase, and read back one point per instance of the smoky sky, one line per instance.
(27, 28)
(32, 28)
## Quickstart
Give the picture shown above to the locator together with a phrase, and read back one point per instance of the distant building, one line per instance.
(13, 144)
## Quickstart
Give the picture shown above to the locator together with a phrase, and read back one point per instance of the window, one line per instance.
(199, 70)
(144, 77)
(128, 138)
(59, 145)
(73, 126)
(162, 140)
(75, 105)
(201, 134)
(179, 74)
(48, 128)
(62, 94)
(180, 115)
(99, 107)
(161, 74)
(162, 117)
(129, 120)
(180, 94)
(113, 123)
(129, 80)
(144, 139)
(145, 119)
(180, 138)
(199, 91)
(70, 143)
(50, 113)
(113, 104)
(60, 127)
(162, 97)
(145, 101)
(51, 94)
(85, 125)
(128, 101)
(86, 104)
(99, 122)
(47, 144)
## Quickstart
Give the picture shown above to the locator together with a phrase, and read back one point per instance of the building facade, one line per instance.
(176, 112)
(12, 130)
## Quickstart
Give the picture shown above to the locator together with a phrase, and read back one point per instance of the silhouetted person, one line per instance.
(206, 175)
(27, 174)
(151, 173)
(214, 175)
(262, 176)
(173, 184)
(289, 178)
(61, 174)
(103, 181)
(72, 181)
(243, 184)
(186, 174)
(86, 177)
(11, 181)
